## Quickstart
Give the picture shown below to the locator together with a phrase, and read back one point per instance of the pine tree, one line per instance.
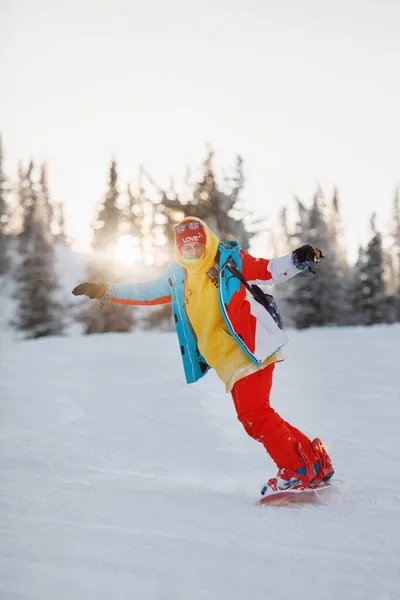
(314, 300)
(59, 219)
(28, 199)
(219, 205)
(335, 233)
(106, 226)
(38, 314)
(143, 226)
(48, 209)
(220, 209)
(338, 258)
(102, 266)
(4, 216)
(358, 292)
(396, 252)
(302, 222)
(370, 299)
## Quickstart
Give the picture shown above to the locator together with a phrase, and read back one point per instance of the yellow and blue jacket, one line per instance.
(218, 322)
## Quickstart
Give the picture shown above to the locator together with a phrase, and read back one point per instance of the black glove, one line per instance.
(92, 290)
(308, 253)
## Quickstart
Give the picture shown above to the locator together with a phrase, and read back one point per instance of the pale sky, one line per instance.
(307, 91)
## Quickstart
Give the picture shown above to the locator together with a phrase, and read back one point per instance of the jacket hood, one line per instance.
(207, 260)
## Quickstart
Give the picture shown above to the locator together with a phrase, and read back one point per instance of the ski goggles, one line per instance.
(192, 225)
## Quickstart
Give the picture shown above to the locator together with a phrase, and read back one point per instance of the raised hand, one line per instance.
(308, 253)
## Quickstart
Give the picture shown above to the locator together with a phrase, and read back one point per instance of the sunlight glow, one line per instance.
(126, 250)
(82, 244)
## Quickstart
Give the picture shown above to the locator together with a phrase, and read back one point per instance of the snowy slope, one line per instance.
(119, 481)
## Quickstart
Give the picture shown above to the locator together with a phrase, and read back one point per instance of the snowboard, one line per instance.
(291, 498)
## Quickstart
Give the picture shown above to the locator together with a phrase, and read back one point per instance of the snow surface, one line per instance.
(119, 481)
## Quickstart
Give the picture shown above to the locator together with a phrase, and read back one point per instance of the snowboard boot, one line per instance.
(287, 479)
(323, 467)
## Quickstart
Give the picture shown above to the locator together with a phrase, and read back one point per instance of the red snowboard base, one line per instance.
(289, 498)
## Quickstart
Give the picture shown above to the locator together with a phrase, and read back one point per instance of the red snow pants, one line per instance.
(251, 398)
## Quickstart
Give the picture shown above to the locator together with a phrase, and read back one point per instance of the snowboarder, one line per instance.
(224, 321)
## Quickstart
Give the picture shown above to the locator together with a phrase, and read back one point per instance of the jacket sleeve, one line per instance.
(262, 271)
(147, 293)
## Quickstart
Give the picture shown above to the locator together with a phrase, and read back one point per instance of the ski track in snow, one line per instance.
(120, 481)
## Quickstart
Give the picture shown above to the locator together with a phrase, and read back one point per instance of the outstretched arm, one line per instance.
(262, 271)
(147, 293)
(141, 294)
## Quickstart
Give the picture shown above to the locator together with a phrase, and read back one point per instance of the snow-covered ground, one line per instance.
(118, 481)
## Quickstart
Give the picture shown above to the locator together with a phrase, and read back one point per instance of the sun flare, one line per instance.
(126, 251)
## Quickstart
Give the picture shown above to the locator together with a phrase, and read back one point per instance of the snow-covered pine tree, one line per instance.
(396, 252)
(38, 312)
(358, 292)
(370, 299)
(59, 222)
(28, 196)
(336, 252)
(335, 233)
(314, 300)
(102, 266)
(389, 277)
(4, 216)
(47, 207)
